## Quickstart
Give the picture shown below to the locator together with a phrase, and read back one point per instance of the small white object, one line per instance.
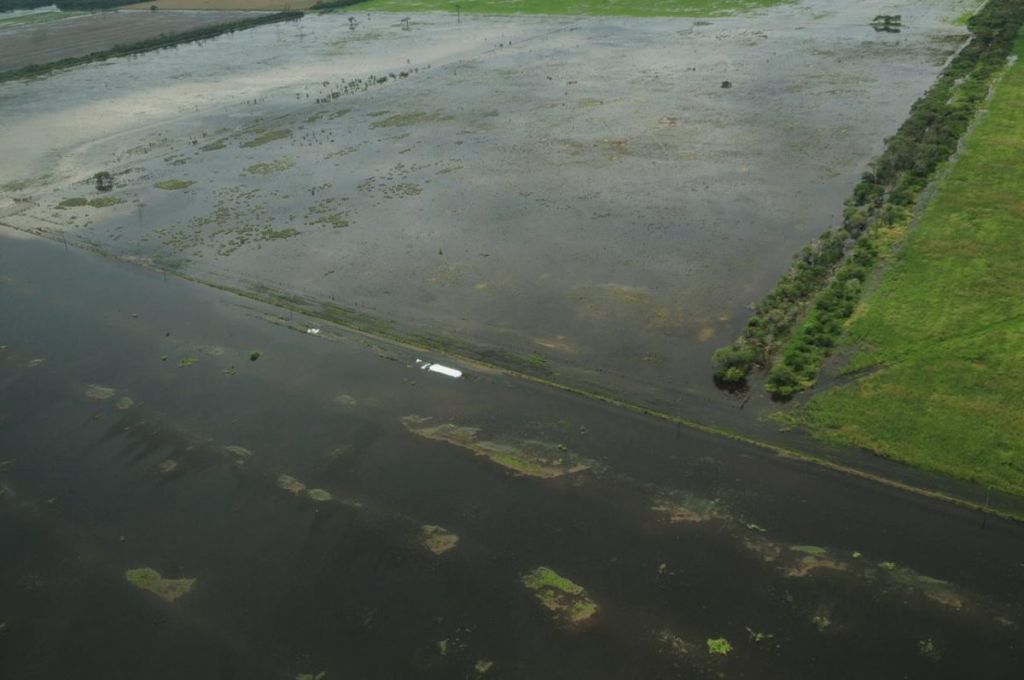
(444, 370)
(313, 331)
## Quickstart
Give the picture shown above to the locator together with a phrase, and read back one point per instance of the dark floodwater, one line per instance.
(844, 578)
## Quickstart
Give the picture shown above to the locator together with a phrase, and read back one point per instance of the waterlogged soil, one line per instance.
(280, 518)
(77, 35)
(579, 198)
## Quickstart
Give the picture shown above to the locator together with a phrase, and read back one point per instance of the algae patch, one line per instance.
(529, 457)
(437, 539)
(166, 588)
(567, 601)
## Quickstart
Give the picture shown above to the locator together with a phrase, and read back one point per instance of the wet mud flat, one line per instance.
(192, 484)
(77, 36)
(581, 197)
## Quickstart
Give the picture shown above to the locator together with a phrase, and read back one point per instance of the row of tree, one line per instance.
(159, 42)
(832, 271)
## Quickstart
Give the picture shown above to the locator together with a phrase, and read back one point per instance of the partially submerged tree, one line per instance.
(104, 181)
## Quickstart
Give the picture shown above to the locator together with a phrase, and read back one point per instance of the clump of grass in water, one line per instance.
(279, 165)
(527, 457)
(266, 138)
(105, 201)
(73, 202)
(173, 184)
(568, 601)
(403, 119)
(437, 539)
(719, 646)
(150, 580)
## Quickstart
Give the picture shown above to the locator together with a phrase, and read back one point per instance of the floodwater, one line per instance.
(301, 508)
(583, 198)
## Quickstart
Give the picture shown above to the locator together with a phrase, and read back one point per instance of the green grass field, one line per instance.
(943, 335)
(638, 8)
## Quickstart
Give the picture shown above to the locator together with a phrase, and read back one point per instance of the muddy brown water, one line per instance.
(841, 577)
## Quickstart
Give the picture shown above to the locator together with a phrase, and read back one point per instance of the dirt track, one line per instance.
(81, 35)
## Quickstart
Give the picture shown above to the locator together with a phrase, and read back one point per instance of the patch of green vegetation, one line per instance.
(124, 403)
(437, 539)
(323, 213)
(402, 189)
(640, 8)
(254, 356)
(482, 666)
(545, 577)
(322, 675)
(319, 495)
(76, 202)
(801, 320)
(528, 457)
(149, 580)
(290, 484)
(568, 601)
(944, 331)
(340, 152)
(679, 506)
(279, 165)
(719, 646)
(758, 636)
(815, 550)
(928, 649)
(185, 362)
(673, 644)
(214, 146)
(105, 201)
(239, 453)
(99, 392)
(267, 138)
(25, 183)
(415, 118)
(173, 184)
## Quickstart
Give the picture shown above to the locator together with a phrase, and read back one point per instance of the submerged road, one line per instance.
(285, 487)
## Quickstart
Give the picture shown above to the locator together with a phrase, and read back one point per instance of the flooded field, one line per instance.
(594, 200)
(196, 486)
(81, 34)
